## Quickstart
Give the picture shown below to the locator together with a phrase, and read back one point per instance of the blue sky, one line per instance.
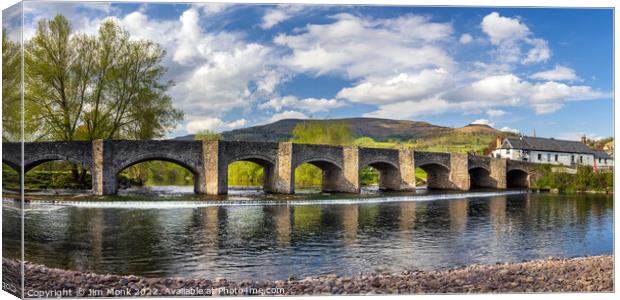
(235, 66)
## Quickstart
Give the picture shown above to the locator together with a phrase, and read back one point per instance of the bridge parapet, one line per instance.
(477, 161)
(423, 158)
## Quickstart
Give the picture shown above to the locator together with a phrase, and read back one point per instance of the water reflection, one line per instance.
(458, 214)
(350, 223)
(277, 241)
(497, 213)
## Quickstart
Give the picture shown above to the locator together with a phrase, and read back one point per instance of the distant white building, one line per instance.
(551, 151)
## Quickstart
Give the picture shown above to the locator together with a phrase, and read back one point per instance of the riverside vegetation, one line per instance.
(584, 180)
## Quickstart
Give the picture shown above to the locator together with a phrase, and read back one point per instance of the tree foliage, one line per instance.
(208, 135)
(326, 133)
(102, 86)
(584, 180)
(11, 89)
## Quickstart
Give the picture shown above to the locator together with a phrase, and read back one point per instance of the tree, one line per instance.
(208, 135)
(323, 132)
(84, 87)
(11, 89)
(107, 86)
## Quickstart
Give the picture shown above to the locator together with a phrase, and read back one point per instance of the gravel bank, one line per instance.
(553, 275)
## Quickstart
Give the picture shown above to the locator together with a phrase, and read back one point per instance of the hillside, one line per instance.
(377, 129)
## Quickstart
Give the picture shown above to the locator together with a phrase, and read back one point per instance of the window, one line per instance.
(599, 160)
(580, 159)
(572, 159)
(539, 156)
(556, 157)
(548, 157)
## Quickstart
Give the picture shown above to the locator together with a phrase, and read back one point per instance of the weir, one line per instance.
(208, 161)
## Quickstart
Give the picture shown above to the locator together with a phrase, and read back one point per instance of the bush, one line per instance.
(584, 180)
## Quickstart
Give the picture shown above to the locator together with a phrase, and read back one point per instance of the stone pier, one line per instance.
(459, 171)
(281, 179)
(498, 172)
(406, 168)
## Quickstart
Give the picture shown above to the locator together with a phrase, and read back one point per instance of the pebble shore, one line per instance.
(585, 274)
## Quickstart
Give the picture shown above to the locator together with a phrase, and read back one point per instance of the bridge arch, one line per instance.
(389, 174)
(480, 177)
(39, 160)
(13, 165)
(126, 163)
(332, 177)
(267, 163)
(437, 175)
(517, 178)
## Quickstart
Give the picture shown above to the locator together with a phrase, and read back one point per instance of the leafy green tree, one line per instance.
(323, 132)
(11, 89)
(208, 135)
(107, 86)
(104, 86)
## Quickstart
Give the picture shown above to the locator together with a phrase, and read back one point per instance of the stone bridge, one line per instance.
(208, 161)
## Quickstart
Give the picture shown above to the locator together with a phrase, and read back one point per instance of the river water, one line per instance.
(248, 235)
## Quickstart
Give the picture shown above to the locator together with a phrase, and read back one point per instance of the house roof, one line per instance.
(544, 144)
(601, 154)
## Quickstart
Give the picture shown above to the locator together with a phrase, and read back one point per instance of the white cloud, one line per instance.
(214, 124)
(510, 35)
(283, 12)
(214, 72)
(466, 38)
(490, 93)
(210, 9)
(501, 29)
(495, 113)
(483, 122)
(401, 87)
(312, 105)
(350, 46)
(508, 129)
(289, 114)
(539, 53)
(273, 17)
(559, 73)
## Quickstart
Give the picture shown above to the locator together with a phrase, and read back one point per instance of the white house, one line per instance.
(551, 151)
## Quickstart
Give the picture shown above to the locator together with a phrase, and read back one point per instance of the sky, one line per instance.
(516, 69)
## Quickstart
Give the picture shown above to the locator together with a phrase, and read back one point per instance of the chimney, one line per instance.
(584, 139)
(498, 142)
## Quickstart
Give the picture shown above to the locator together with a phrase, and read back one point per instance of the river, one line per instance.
(167, 231)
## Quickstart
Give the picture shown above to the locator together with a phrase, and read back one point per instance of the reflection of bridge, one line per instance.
(209, 160)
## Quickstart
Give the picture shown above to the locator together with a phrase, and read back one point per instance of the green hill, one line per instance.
(383, 133)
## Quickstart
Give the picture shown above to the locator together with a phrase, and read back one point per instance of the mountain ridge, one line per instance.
(377, 128)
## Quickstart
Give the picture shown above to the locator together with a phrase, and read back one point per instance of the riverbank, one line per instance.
(585, 274)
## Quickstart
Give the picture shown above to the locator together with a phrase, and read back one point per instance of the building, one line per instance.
(551, 151)
(603, 160)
